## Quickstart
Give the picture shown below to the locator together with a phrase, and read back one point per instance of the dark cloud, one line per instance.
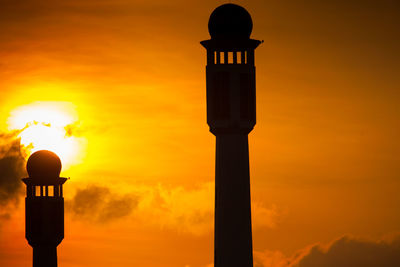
(100, 204)
(12, 169)
(344, 252)
(175, 208)
(350, 252)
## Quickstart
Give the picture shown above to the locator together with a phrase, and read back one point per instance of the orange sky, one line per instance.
(324, 154)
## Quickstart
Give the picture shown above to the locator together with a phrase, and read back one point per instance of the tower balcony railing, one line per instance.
(44, 191)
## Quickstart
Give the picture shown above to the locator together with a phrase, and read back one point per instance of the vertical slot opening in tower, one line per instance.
(51, 191)
(222, 57)
(37, 191)
(239, 57)
(230, 57)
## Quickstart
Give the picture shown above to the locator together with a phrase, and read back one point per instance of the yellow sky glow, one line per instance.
(44, 125)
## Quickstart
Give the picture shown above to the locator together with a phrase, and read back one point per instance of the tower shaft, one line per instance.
(233, 238)
(45, 256)
(44, 228)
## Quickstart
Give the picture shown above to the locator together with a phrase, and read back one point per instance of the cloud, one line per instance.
(191, 210)
(270, 259)
(180, 209)
(100, 204)
(350, 252)
(177, 208)
(344, 252)
(12, 170)
(264, 217)
(78, 130)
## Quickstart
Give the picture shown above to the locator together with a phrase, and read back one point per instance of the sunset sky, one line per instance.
(117, 89)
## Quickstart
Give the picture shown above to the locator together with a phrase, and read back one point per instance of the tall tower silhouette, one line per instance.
(44, 207)
(231, 115)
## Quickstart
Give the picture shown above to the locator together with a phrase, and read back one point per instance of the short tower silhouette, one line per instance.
(231, 115)
(44, 207)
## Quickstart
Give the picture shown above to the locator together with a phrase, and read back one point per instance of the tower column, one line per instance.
(45, 256)
(233, 239)
(44, 213)
(231, 115)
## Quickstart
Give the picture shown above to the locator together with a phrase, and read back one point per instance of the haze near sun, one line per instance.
(48, 126)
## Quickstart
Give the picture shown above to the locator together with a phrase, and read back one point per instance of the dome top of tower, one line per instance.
(44, 164)
(230, 21)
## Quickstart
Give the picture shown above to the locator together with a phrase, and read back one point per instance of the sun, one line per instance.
(50, 126)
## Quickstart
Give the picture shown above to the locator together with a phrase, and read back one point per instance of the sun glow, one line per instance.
(48, 125)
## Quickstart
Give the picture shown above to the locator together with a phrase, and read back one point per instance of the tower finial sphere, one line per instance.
(230, 21)
(43, 164)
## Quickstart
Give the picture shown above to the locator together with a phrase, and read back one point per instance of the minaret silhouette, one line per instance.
(231, 115)
(44, 207)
